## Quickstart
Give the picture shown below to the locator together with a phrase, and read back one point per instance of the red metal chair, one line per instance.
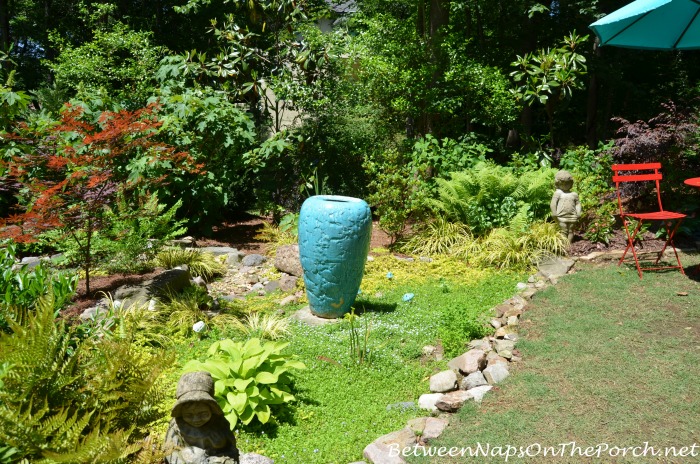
(670, 220)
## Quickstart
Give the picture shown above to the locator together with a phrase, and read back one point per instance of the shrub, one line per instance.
(251, 380)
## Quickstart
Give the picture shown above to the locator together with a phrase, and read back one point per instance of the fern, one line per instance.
(70, 400)
(488, 196)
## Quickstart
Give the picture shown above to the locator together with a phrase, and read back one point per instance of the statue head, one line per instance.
(563, 180)
(195, 399)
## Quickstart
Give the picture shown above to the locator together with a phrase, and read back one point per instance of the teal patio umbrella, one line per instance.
(653, 25)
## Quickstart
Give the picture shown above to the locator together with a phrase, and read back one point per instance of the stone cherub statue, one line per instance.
(199, 433)
(565, 205)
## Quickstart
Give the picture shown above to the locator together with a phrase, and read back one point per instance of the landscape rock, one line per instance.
(482, 344)
(529, 293)
(287, 260)
(184, 242)
(254, 458)
(218, 250)
(403, 406)
(521, 286)
(288, 283)
(495, 323)
(417, 425)
(496, 373)
(443, 381)
(453, 401)
(513, 320)
(501, 309)
(305, 316)
(513, 311)
(497, 360)
(253, 260)
(272, 286)
(517, 302)
(554, 266)
(233, 259)
(428, 401)
(199, 281)
(377, 453)
(479, 392)
(503, 345)
(170, 281)
(30, 261)
(289, 299)
(434, 427)
(473, 380)
(469, 362)
(405, 438)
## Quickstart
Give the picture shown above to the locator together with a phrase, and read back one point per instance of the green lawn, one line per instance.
(608, 359)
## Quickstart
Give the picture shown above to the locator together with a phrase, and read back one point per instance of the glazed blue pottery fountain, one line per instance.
(334, 236)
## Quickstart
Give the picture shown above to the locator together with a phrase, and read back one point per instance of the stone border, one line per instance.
(471, 375)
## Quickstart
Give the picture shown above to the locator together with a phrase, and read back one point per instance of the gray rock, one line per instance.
(521, 286)
(252, 279)
(554, 266)
(513, 320)
(272, 286)
(469, 362)
(479, 392)
(496, 373)
(417, 425)
(30, 261)
(482, 344)
(503, 345)
(377, 453)
(517, 302)
(287, 260)
(529, 293)
(403, 406)
(425, 259)
(184, 242)
(453, 401)
(254, 458)
(288, 283)
(253, 260)
(495, 323)
(257, 287)
(443, 381)
(218, 251)
(405, 438)
(170, 281)
(289, 299)
(428, 401)
(305, 316)
(473, 380)
(233, 259)
(199, 281)
(434, 427)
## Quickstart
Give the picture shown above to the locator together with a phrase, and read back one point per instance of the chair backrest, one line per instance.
(652, 174)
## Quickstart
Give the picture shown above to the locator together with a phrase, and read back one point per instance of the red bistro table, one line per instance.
(694, 182)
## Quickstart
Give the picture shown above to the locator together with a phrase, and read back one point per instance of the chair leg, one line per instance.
(630, 244)
(671, 233)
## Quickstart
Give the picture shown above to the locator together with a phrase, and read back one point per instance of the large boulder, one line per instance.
(170, 281)
(287, 260)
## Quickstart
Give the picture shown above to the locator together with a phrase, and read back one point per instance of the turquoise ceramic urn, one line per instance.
(334, 236)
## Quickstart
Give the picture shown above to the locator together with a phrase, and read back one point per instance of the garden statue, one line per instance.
(565, 205)
(199, 433)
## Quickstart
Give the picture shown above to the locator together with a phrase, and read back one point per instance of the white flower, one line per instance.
(198, 326)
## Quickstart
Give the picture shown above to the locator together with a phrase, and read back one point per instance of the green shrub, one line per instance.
(489, 196)
(75, 401)
(200, 264)
(252, 380)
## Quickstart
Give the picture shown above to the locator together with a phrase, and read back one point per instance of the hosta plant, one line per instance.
(252, 381)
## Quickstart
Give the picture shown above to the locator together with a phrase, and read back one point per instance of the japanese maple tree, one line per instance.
(74, 170)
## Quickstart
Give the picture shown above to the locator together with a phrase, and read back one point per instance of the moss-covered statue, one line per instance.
(199, 433)
(565, 205)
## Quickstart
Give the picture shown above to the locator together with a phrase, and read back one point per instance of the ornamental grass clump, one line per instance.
(200, 264)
